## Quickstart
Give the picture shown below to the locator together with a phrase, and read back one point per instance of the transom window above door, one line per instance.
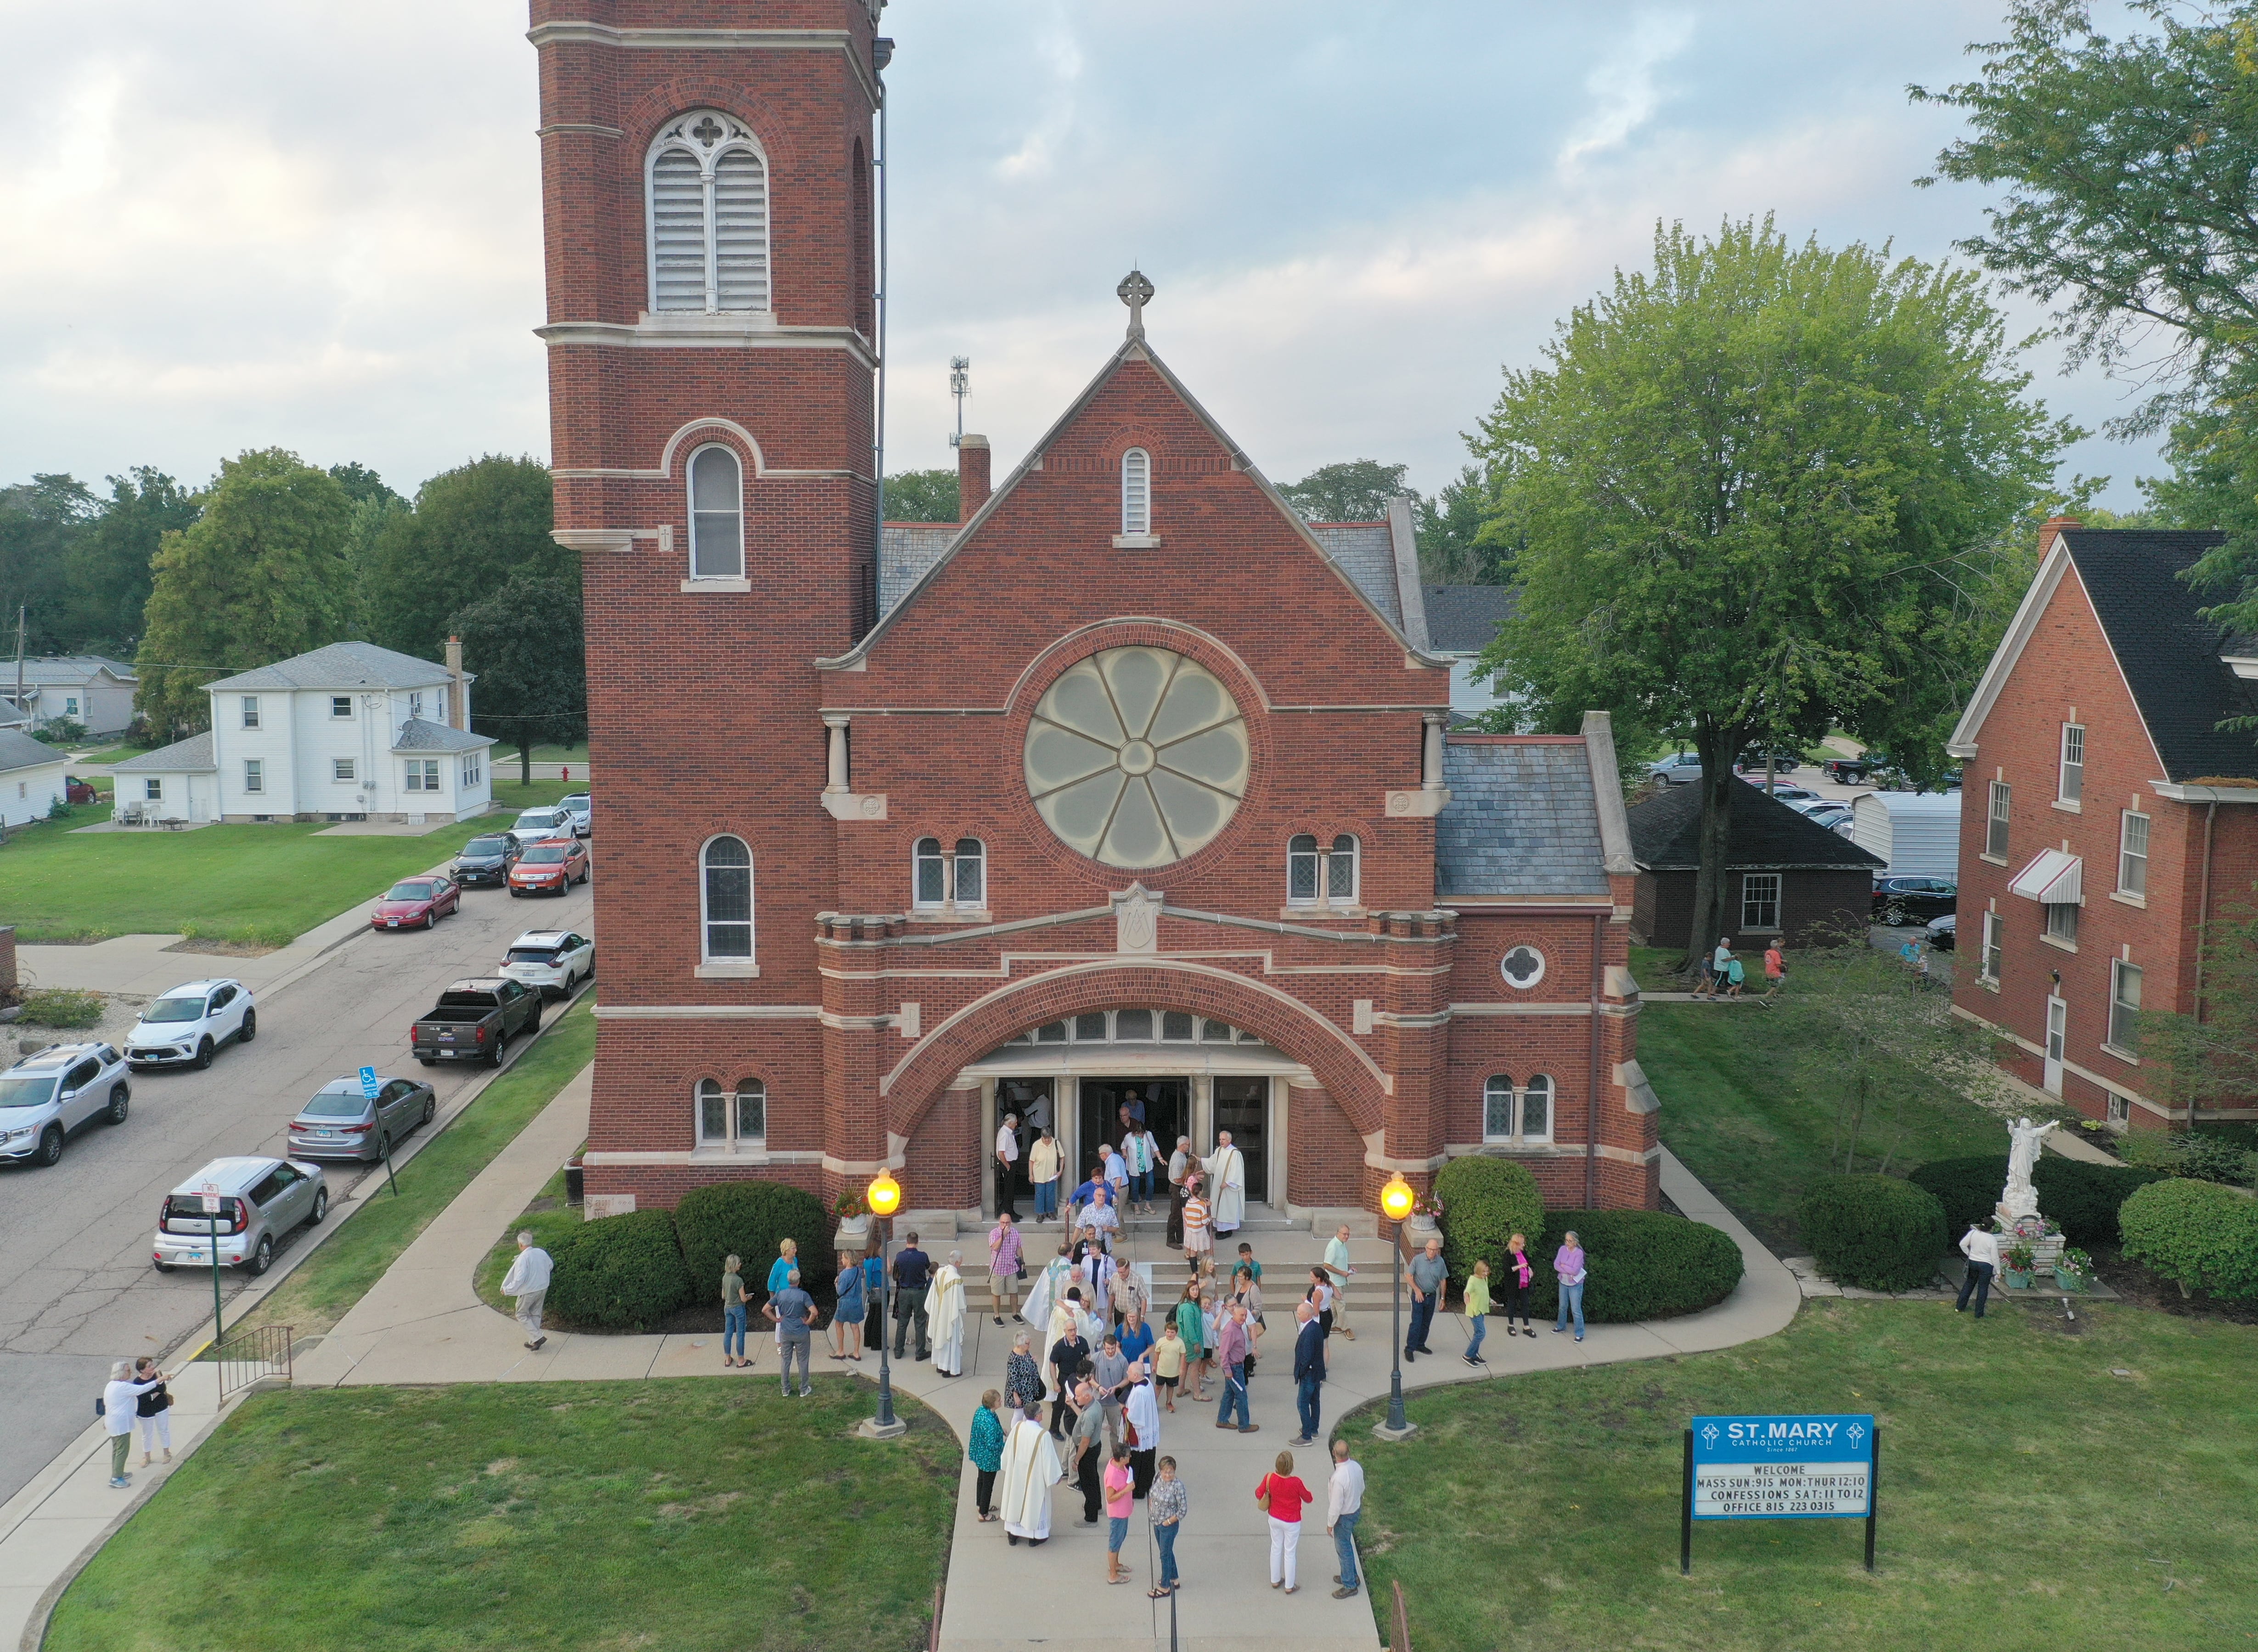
(1134, 1026)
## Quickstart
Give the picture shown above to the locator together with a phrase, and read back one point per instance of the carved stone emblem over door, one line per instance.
(1137, 919)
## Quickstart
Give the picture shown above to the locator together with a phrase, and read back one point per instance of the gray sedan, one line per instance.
(341, 1122)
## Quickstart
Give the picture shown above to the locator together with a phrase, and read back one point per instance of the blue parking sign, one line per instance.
(368, 1084)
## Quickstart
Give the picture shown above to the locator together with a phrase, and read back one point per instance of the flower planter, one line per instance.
(2069, 1281)
(2015, 1281)
(854, 1236)
(1419, 1228)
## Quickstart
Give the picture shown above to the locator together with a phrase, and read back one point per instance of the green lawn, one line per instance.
(685, 1514)
(2029, 1497)
(315, 1296)
(257, 885)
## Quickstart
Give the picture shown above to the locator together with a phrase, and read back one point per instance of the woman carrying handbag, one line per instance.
(1283, 1496)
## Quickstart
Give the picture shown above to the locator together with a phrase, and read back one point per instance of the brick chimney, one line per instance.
(2052, 527)
(972, 482)
(455, 694)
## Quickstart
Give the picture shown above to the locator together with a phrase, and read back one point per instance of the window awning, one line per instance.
(2054, 879)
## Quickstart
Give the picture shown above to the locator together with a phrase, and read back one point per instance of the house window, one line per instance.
(1760, 900)
(1051, 1032)
(931, 885)
(423, 774)
(1177, 1027)
(1497, 1109)
(153, 791)
(1537, 1110)
(1136, 492)
(1090, 1028)
(2121, 1109)
(2061, 921)
(473, 770)
(254, 775)
(2073, 763)
(1995, 824)
(415, 703)
(2133, 855)
(1340, 872)
(971, 873)
(726, 892)
(1994, 933)
(341, 705)
(727, 1119)
(1302, 870)
(70, 705)
(341, 768)
(251, 711)
(717, 514)
(707, 205)
(1513, 1113)
(2123, 1006)
(1309, 869)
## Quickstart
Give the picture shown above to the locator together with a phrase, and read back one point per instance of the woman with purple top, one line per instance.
(1568, 1263)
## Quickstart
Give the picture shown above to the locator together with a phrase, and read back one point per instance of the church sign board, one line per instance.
(1780, 1467)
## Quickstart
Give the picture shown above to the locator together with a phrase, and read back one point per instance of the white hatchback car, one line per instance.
(534, 825)
(552, 961)
(185, 1025)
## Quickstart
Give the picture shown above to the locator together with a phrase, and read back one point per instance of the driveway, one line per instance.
(78, 1290)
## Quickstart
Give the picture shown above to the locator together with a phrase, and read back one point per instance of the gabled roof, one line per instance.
(341, 665)
(1765, 835)
(61, 669)
(191, 756)
(1463, 619)
(418, 734)
(1531, 815)
(19, 750)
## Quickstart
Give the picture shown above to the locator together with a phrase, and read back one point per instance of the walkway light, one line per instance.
(885, 1195)
(1397, 1198)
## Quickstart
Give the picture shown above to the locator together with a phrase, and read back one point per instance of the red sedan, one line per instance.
(550, 866)
(415, 903)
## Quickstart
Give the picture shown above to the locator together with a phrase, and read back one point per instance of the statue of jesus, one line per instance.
(2020, 1198)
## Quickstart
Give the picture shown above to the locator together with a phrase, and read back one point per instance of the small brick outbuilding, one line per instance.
(1789, 876)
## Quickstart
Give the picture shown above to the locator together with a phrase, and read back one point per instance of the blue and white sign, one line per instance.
(1783, 1468)
(368, 1084)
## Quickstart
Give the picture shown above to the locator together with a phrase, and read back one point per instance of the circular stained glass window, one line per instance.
(1524, 966)
(1137, 757)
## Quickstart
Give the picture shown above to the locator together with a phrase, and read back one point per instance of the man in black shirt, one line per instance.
(1067, 1355)
(912, 1272)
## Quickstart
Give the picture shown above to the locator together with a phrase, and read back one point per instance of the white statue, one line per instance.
(2020, 1198)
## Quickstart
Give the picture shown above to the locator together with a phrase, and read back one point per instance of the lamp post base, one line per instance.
(1382, 1431)
(872, 1428)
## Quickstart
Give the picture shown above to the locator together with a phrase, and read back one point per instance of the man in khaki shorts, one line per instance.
(1340, 1268)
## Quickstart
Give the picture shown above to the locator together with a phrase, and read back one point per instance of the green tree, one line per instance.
(41, 521)
(107, 569)
(1356, 491)
(1763, 489)
(362, 484)
(2209, 1058)
(260, 576)
(473, 529)
(523, 644)
(1451, 549)
(922, 495)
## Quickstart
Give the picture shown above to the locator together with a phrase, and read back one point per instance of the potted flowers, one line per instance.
(854, 1236)
(2072, 1268)
(1425, 1222)
(2018, 1261)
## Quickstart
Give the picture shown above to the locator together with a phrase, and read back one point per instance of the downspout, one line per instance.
(1592, 1103)
(2202, 925)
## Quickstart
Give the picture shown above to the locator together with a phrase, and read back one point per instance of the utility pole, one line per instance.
(19, 660)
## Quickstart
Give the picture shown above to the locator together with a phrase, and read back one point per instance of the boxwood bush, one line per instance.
(1639, 1264)
(750, 1220)
(2198, 1234)
(1968, 1188)
(1485, 1202)
(2083, 1197)
(1874, 1232)
(621, 1273)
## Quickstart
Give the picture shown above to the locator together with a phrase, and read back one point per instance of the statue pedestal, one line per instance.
(2029, 1229)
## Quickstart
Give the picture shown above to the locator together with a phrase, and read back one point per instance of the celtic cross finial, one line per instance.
(1136, 292)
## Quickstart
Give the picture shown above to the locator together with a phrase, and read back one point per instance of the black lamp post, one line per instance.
(885, 1195)
(1396, 1199)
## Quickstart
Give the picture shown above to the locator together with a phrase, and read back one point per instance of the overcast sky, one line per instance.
(239, 223)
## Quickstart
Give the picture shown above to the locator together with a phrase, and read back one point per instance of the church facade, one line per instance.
(1131, 784)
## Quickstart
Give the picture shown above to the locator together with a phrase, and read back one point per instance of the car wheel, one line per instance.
(250, 1026)
(534, 1026)
(262, 1258)
(1894, 916)
(321, 1208)
(120, 1098)
(432, 919)
(514, 892)
(51, 1147)
(431, 1109)
(429, 1061)
(204, 1055)
(162, 1267)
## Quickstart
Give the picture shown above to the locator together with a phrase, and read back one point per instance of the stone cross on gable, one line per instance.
(1136, 292)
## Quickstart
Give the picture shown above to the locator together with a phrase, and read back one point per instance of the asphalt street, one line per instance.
(79, 1291)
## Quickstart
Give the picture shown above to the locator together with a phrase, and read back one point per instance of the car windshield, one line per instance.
(335, 1104)
(486, 846)
(531, 955)
(537, 817)
(544, 854)
(408, 890)
(577, 801)
(26, 1092)
(175, 1009)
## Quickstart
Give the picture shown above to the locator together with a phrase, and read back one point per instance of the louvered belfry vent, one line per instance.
(707, 196)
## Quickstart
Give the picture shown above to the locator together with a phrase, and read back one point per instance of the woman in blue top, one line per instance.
(780, 1269)
(986, 1450)
(847, 1319)
(874, 1289)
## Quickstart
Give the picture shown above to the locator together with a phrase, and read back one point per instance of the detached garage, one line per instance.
(31, 777)
(1787, 875)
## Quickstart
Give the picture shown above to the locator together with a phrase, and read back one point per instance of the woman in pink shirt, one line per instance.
(1118, 1507)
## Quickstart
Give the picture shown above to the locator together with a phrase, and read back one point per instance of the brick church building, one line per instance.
(1131, 781)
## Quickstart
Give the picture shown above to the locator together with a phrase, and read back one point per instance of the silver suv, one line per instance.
(260, 1200)
(45, 1099)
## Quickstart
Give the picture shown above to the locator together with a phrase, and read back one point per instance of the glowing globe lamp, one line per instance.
(1397, 1198)
(885, 1195)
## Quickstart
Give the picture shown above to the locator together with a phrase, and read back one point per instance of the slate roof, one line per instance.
(19, 750)
(193, 756)
(418, 734)
(1463, 619)
(1522, 820)
(1366, 553)
(905, 551)
(1766, 835)
(2171, 659)
(340, 666)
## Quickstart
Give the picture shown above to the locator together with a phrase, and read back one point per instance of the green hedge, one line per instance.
(1968, 1188)
(1485, 1202)
(2198, 1234)
(622, 1273)
(1639, 1264)
(1874, 1232)
(2082, 1197)
(751, 1220)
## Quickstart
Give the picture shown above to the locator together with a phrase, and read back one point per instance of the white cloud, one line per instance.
(1622, 88)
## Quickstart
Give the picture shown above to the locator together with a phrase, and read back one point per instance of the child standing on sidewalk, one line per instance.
(1478, 1312)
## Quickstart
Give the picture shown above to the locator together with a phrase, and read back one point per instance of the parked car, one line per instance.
(1943, 932)
(342, 1122)
(1788, 795)
(1848, 770)
(534, 825)
(551, 961)
(190, 1023)
(78, 791)
(47, 1099)
(418, 901)
(474, 1020)
(487, 859)
(260, 1201)
(582, 808)
(1682, 770)
(1828, 811)
(1785, 759)
(551, 867)
(1899, 900)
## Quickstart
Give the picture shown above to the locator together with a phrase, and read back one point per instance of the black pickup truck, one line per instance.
(474, 1020)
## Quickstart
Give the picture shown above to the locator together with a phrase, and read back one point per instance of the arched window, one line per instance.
(1511, 1113)
(1537, 1110)
(707, 199)
(1136, 492)
(971, 873)
(717, 514)
(1302, 870)
(727, 899)
(1340, 872)
(726, 1120)
(931, 887)
(1497, 1108)
(1319, 877)
(865, 296)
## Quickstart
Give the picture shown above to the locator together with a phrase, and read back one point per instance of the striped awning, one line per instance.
(2054, 879)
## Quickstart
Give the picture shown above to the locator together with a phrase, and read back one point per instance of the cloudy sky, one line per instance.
(248, 223)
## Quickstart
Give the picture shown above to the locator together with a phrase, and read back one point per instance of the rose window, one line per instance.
(1137, 757)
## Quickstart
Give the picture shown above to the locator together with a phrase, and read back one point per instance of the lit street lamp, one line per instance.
(884, 1197)
(1396, 1199)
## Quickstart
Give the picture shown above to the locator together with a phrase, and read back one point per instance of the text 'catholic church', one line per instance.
(1131, 781)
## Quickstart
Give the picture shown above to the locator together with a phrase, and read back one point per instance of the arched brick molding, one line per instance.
(1345, 1072)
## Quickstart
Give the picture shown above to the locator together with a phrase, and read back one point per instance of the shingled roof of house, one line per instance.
(1766, 835)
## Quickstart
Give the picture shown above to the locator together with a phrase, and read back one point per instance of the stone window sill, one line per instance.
(1136, 542)
(717, 585)
(736, 1152)
(1997, 860)
(2124, 1056)
(2123, 899)
(1299, 914)
(961, 915)
(727, 969)
(1989, 983)
(2068, 806)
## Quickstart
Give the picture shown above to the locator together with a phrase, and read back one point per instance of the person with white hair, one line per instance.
(527, 1281)
(1031, 1468)
(121, 1399)
(1227, 1170)
(944, 1305)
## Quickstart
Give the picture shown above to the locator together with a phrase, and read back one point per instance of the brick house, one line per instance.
(1789, 876)
(1131, 781)
(2106, 815)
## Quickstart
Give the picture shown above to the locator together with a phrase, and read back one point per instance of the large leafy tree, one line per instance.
(1356, 490)
(473, 529)
(1760, 489)
(262, 574)
(41, 521)
(524, 645)
(1452, 548)
(922, 495)
(107, 569)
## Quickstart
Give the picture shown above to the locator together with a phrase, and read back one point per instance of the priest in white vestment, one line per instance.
(944, 1308)
(1226, 1175)
(1031, 1468)
(1043, 1295)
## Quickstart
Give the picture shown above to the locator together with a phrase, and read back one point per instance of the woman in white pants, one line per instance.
(1283, 1495)
(155, 1410)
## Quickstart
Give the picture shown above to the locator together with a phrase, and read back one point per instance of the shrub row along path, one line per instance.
(423, 1322)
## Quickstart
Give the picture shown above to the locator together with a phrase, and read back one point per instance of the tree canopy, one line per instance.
(921, 495)
(1355, 491)
(473, 530)
(524, 645)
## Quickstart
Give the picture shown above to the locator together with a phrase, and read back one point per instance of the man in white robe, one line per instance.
(1226, 1175)
(1031, 1468)
(1043, 1295)
(944, 1306)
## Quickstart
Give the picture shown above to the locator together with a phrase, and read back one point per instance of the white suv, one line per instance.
(45, 1099)
(534, 825)
(187, 1024)
(555, 961)
(260, 1200)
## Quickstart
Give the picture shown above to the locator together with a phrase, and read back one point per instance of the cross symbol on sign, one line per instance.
(1709, 1435)
(1857, 1432)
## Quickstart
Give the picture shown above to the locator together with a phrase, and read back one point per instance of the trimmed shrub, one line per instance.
(623, 1272)
(1968, 1188)
(2085, 1198)
(751, 1220)
(1874, 1232)
(1485, 1202)
(2198, 1234)
(1639, 1264)
(2208, 1157)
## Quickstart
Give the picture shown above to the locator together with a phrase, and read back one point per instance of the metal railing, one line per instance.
(254, 1355)
(1400, 1623)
